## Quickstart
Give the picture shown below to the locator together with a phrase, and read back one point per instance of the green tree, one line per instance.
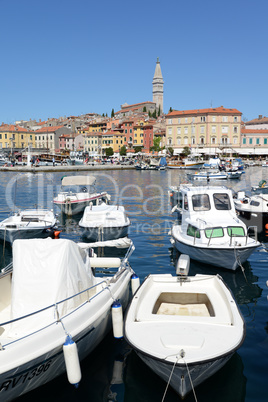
(159, 111)
(170, 109)
(186, 151)
(109, 151)
(156, 146)
(144, 109)
(171, 151)
(112, 113)
(123, 151)
(137, 149)
(154, 114)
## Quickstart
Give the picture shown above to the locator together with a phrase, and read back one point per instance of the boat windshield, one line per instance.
(222, 201)
(193, 231)
(214, 232)
(235, 231)
(201, 202)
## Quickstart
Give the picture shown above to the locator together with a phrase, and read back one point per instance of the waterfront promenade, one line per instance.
(64, 168)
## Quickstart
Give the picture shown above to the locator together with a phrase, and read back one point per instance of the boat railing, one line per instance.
(248, 235)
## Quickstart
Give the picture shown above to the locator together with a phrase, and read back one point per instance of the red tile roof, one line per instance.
(252, 131)
(50, 129)
(215, 110)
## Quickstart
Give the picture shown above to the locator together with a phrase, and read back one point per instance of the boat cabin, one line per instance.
(208, 212)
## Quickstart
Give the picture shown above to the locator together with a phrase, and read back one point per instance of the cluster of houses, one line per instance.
(204, 131)
(134, 128)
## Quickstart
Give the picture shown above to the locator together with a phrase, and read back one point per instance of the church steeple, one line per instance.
(158, 87)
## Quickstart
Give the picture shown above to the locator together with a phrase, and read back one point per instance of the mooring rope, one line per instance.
(240, 264)
(178, 357)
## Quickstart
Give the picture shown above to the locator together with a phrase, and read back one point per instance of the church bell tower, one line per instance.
(158, 87)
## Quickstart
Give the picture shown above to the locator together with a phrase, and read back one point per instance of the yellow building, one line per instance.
(113, 139)
(203, 128)
(93, 142)
(15, 137)
(138, 139)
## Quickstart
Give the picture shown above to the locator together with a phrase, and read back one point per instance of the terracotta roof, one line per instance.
(50, 129)
(13, 128)
(259, 120)
(252, 131)
(215, 110)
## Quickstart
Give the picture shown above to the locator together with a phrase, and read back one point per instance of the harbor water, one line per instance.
(113, 372)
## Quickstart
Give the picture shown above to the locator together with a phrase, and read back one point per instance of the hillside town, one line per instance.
(139, 128)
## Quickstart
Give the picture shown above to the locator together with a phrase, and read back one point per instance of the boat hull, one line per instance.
(73, 206)
(105, 233)
(11, 234)
(45, 367)
(228, 258)
(180, 379)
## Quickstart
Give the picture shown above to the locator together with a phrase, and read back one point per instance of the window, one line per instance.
(201, 202)
(224, 119)
(192, 119)
(213, 140)
(224, 129)
(235, 140)
(265, 141)
(193, 129)
(203, 118)
(214, 232)
(250, 140)
(193, 140)
(0, 136)
(193, 232)
(170, 141)
(202, 129)
(213, 129)
(235, 130)
(257, 141)
(169, 121)
(179, 140)
(179, 121)
(244, 141)
(254, 203)
(222, 201)
(185, 130)
(178, 130)
(185, 141)
(213, 119)
(202, 140)
(186, 119)
(235, 119)
(185, 202)
(235, 231)
(170, 130)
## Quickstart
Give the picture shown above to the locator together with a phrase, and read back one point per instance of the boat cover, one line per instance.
(78, 180)
(46, 271)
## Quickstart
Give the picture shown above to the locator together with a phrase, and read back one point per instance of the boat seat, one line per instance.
(199, 310)
(29, 219)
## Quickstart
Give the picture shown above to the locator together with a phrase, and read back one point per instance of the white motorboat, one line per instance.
(104, 222)
(253, 210)
(187, 163)
(234, 174)
(76, 193)
(210, 231)
(50, 300)
(184, 329)
(28, 224)
(213, 174)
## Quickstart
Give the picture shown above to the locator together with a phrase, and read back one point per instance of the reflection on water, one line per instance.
(145, 197)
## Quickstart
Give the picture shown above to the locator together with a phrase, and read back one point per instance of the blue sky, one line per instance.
(61, 58)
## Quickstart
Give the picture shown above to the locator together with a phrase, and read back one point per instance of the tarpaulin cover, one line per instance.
(46, 271)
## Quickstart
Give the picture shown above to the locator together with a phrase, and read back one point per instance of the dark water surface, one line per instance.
(113, 372)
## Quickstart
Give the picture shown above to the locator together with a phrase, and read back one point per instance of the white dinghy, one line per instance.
(76, 193)
(28, 224)
(185, 329)
(210, 231)
(54, 311)
(104, 222)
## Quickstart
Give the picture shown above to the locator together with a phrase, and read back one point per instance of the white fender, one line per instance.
(135, 283)
(72, 361)
(117, 319)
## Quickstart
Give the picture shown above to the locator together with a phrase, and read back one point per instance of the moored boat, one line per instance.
(76, 193)
(104, 222)
(28, 224)
(50, 299)
(210, 231)
(213, 174)
(253, 210)
(185, 329)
